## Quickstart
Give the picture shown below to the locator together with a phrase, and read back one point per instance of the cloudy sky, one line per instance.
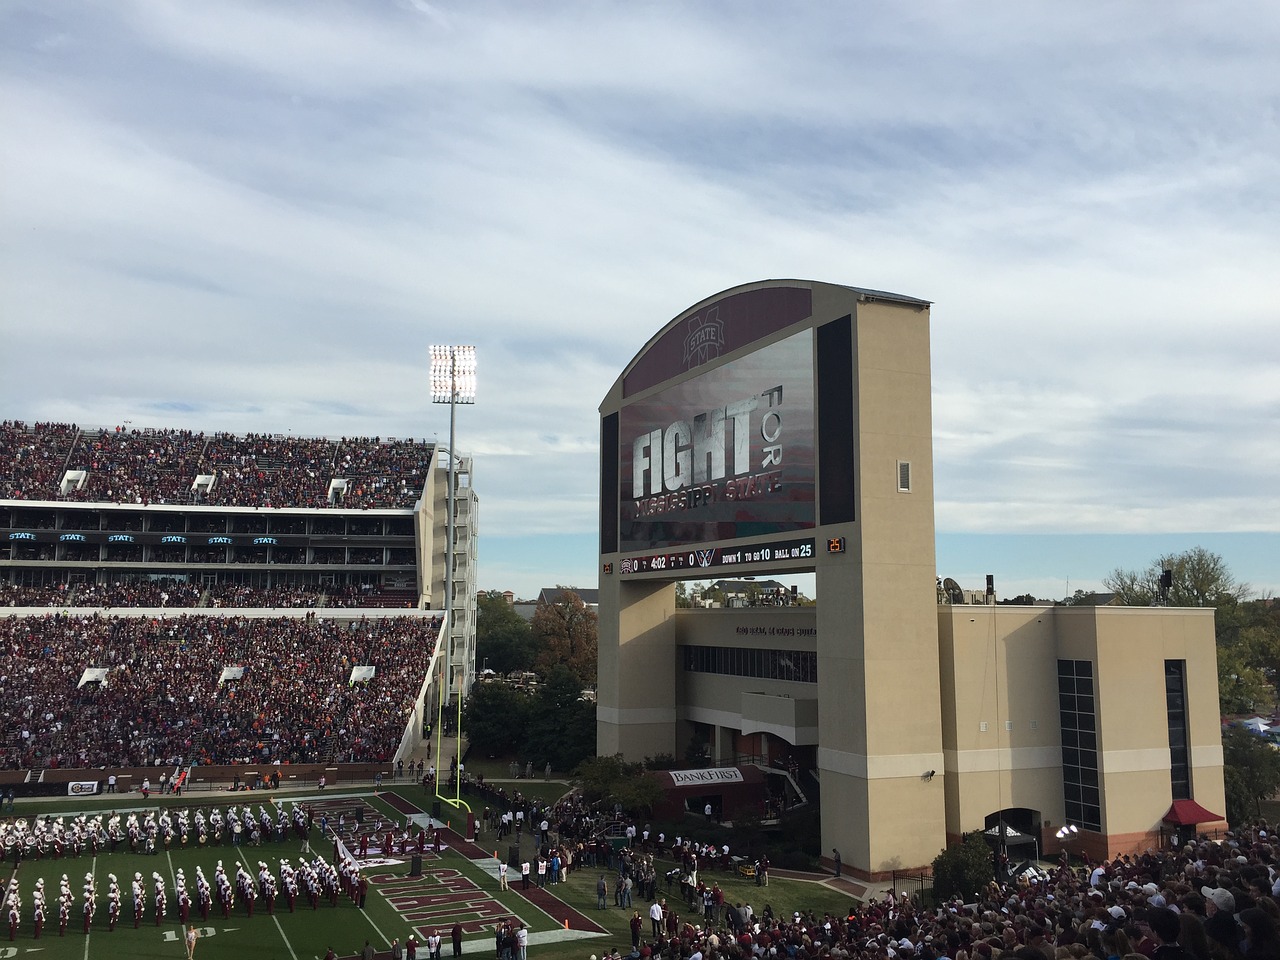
(257, 216)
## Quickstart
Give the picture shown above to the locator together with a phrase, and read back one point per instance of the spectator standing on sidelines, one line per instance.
(656, 910)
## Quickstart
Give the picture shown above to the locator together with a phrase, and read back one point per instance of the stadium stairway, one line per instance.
(329, 749)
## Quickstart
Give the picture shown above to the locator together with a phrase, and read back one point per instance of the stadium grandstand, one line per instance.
(169, 597)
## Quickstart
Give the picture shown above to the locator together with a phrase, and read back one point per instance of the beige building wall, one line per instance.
(731, 704)
(1130, 646)
(429, 543)
(1001, 714)
(1001, 737)
(459, 604)
(880, 731)
(636, 686)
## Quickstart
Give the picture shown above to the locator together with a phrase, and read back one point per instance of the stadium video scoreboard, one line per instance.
(710, 558)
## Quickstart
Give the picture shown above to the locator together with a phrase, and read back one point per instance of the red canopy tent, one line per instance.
(1188, 813)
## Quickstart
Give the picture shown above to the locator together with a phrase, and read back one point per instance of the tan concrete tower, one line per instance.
(786, 426)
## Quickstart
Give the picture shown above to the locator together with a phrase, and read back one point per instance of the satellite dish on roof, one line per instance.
(953, 591)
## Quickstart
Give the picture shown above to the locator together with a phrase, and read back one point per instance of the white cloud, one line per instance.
(258, 217)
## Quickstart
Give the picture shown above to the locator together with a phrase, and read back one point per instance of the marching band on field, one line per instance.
(54, 837)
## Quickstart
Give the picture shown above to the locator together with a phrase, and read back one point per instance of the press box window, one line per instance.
(904, 476)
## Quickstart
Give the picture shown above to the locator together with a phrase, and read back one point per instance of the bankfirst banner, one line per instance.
(685, 778)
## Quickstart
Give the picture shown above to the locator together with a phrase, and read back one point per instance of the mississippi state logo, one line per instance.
(705, 338)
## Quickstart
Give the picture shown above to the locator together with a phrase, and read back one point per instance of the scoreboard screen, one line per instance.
(728, 455)
(711, 558)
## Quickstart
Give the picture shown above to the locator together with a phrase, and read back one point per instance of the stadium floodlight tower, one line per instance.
(453, 381)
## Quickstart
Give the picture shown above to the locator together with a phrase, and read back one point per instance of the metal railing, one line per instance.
(917, 886)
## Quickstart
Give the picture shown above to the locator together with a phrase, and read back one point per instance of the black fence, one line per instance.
(917, 886)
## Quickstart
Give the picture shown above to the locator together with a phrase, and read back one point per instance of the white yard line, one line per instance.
(376, 928)
(274, 918)
(385, 938)
(93, 870)
(173, 879)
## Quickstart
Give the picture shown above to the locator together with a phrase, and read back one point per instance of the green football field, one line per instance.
(452, 888)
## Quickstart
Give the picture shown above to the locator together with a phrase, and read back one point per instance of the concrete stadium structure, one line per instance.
(786, 426)
(72, 531)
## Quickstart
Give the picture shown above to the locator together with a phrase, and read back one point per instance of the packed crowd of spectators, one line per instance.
(163, 696)
(33, 460)
(366, 595)
(137, 593)
(1207, 900)
(258, 470)
(166, 592)
(132, 467)
(161, 466)
(21, 595)
(241, 595)
(383, 474)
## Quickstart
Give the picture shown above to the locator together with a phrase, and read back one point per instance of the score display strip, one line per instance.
(708, 558)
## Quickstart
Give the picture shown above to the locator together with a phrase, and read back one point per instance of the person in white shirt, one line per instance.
(656, 914)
